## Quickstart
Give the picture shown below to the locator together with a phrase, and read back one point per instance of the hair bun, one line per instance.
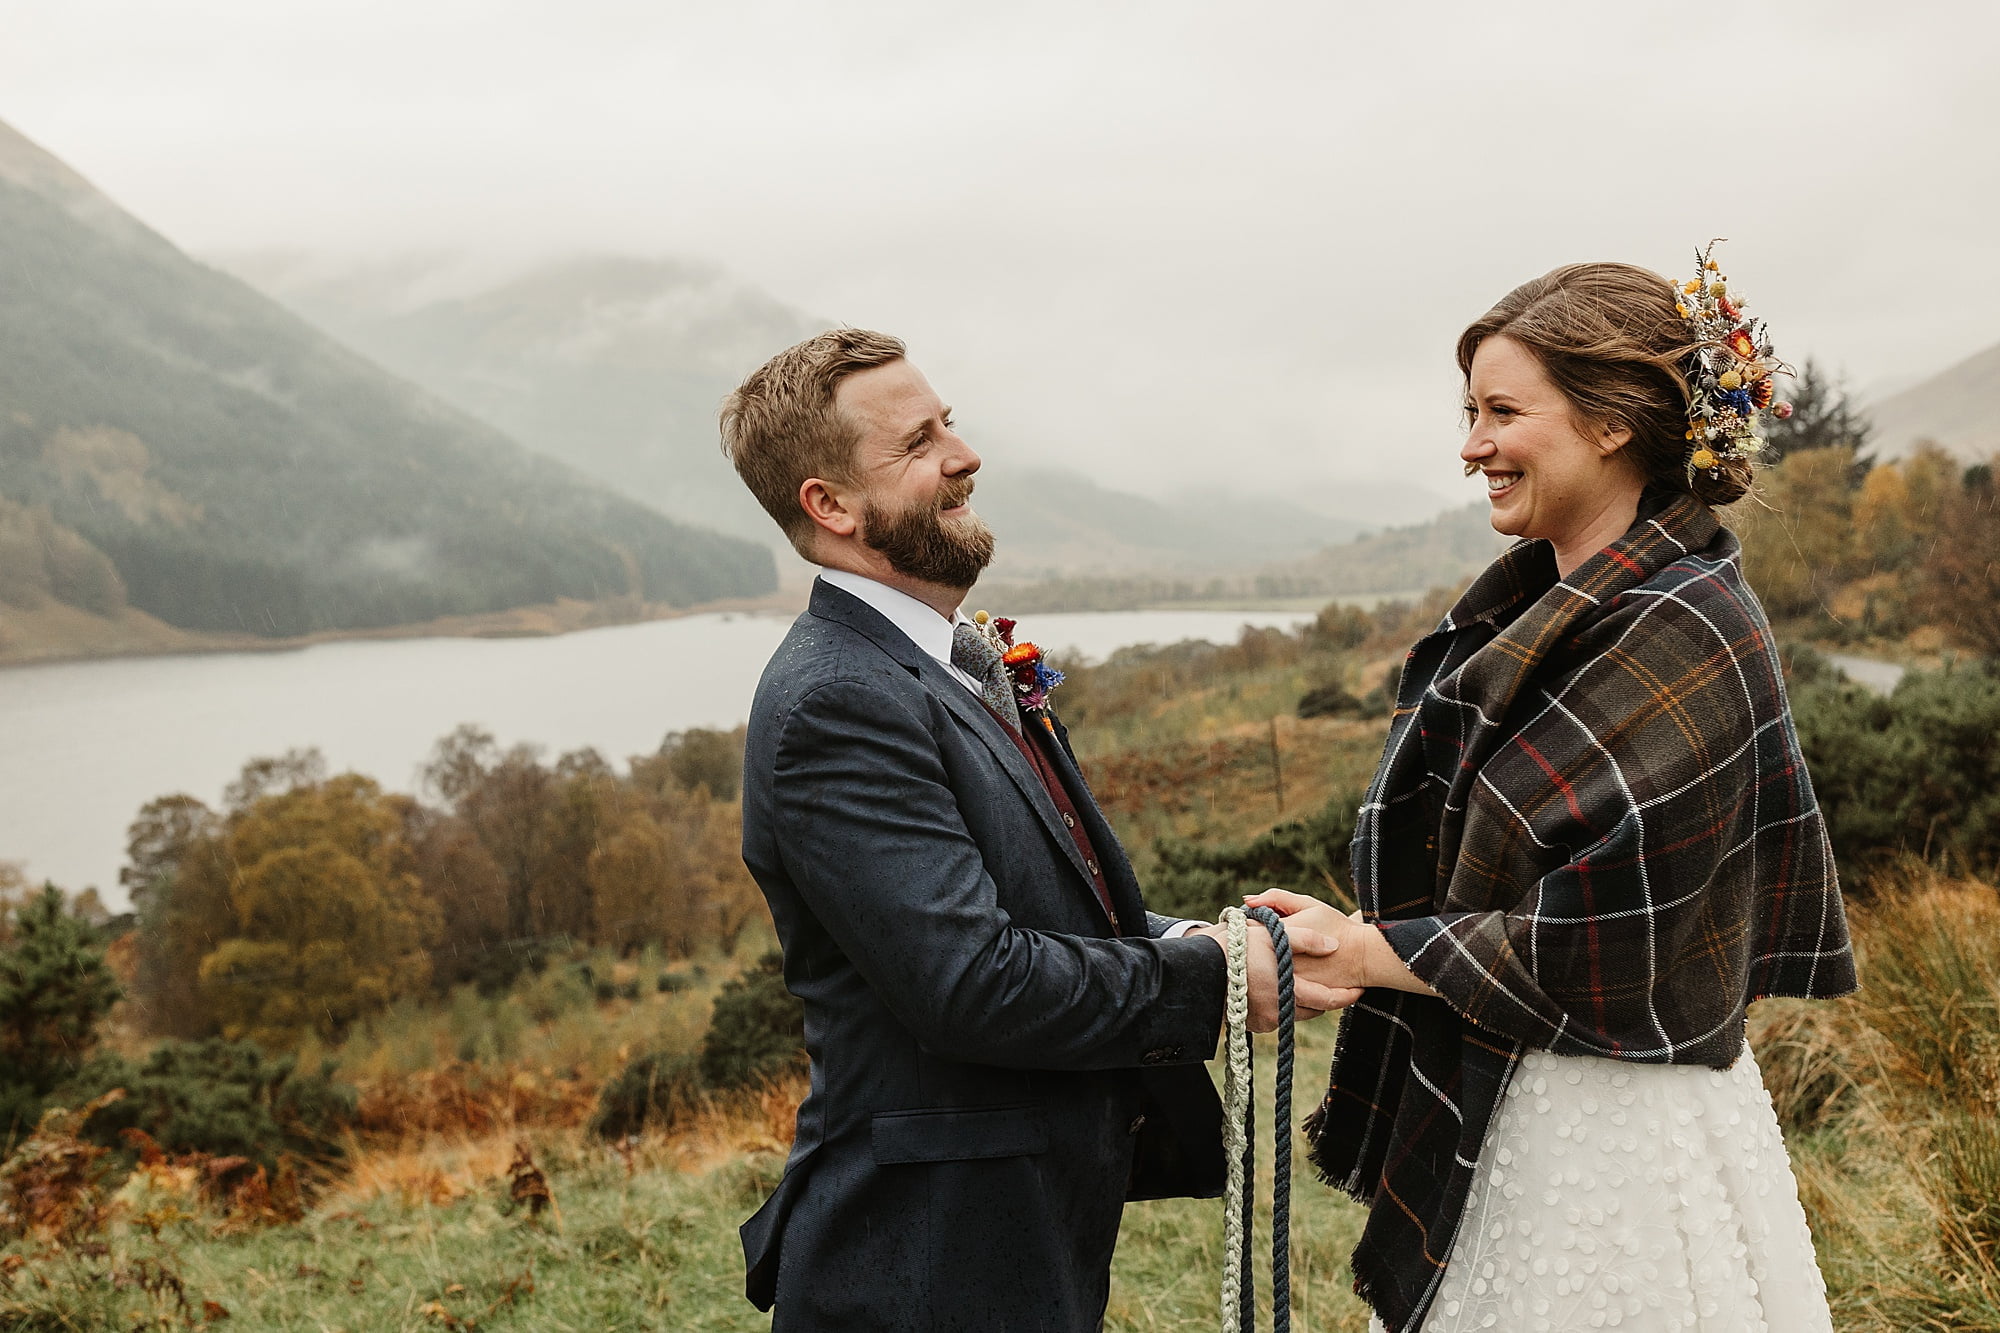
(1724, 484)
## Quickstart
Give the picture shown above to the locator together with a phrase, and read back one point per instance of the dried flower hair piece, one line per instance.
(1732, 373)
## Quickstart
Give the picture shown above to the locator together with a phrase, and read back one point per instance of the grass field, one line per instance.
(427, 1238)
(1890, 1102)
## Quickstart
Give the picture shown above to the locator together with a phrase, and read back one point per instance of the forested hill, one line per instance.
(172, 439)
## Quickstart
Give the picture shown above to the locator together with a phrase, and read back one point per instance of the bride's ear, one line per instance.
(1612, 436)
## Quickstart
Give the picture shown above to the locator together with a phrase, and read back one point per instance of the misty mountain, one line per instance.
(617, 365)
(1440, 553)
(241, 471)
(1959, 408)
(1052, 522)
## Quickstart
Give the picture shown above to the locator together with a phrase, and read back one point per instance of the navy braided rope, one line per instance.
(1281, 1151)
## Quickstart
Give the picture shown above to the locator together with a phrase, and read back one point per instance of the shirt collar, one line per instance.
(921, 624)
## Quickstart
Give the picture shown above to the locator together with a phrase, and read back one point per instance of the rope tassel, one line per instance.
(1239, 1284)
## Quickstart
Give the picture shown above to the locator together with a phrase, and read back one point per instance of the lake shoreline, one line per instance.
(153, 638)
(91, 742)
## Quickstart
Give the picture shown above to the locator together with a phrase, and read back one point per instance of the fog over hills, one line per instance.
(617, 364)
(240, 471)
(1958, 408)
(1451, 547)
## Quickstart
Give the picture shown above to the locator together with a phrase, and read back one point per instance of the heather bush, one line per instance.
(656, 1090)
(758, 1031)
(1197, 880)
(219, 1097)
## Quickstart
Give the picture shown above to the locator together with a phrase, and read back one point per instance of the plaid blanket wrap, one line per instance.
(1591, 832)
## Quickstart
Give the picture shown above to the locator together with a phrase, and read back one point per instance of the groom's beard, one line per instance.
(921, 545)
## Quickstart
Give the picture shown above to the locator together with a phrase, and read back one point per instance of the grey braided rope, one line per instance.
(1281, 1127)
(1238, 1266)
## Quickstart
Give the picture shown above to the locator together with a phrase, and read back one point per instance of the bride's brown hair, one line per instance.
(1613, 342)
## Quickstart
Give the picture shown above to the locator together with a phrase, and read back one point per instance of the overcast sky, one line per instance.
(1172, 244)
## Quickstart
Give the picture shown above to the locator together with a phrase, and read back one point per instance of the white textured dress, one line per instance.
(1638, 1197)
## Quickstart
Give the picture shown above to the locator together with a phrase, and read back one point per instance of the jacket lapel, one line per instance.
(1049, 734)
(831, 603)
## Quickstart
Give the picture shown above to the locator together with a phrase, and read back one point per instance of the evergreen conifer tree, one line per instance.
(54, 987)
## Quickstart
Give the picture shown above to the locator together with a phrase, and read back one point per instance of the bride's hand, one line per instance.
(1304, 910)
(1361, 957)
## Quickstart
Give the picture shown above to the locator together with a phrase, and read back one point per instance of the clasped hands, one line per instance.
(1335, 956)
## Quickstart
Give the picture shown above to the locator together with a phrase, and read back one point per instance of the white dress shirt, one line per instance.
(924, 627)
(921, 624)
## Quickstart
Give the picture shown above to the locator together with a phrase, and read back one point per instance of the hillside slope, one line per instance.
(244, 472)
(1448, 549)
(1959, 408)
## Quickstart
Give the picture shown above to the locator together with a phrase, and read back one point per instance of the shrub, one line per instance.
(658, 1089)
(1329, 701)
(1916, 773)
(55, 1187)
(499, 967)
(1382, 699)
(758, 1030)
(223, 1098)
(1306, 856)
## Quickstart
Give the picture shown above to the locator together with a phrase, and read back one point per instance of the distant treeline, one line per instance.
(1402, 560)
(1859, 551)
(310, 901)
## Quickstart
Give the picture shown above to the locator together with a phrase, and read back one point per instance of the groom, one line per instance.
(1005, 1044)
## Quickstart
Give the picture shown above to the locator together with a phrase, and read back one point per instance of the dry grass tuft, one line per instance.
(1891, 1103)
(461, 1099)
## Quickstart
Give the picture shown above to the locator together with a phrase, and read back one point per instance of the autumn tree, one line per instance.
(465, 884)
(700, 757)
(634, 874)
(1963, 574)
(1798, 531)
(296, 910)
(503, 798)
(178, 879)
(699, 889)
(326, 921)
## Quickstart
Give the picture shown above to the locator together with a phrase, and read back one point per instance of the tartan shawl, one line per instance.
(1591, 832)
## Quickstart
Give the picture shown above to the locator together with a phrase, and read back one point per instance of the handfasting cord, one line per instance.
(1239, 1299)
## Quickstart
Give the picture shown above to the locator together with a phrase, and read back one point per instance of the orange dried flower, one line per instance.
(1762, 392)
(1739, 343)
(1022, 654)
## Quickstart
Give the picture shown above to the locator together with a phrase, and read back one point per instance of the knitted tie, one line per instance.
(974, 654)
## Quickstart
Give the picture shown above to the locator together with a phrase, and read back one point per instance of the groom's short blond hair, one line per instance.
(781, 427)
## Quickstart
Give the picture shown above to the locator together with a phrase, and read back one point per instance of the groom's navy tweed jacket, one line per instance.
(994, 1071)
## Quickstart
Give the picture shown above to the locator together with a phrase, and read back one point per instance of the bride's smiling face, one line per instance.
(1547, 474)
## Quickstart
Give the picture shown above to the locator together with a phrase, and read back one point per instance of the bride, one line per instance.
(1590, 844)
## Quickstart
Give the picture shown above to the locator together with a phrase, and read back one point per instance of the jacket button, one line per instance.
(1092, 864)
(1070, 820)
(1138, 1123)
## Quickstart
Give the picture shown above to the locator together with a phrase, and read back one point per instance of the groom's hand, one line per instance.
(1309, 998)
